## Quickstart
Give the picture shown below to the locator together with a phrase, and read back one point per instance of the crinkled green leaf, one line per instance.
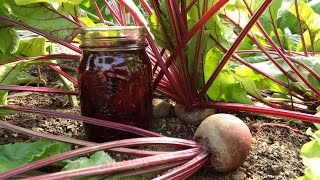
(285, 40)
(288, 20)
(95, 159)
(236, 10)
(9, 39)
(14, 155)
(155, 28)
(246, 44)
(225, 87)
(308, 43)
(41, 17)
(25, 78)
(4, 8)
(250, 87)
(194, 11)
(291, 40)
(310, 153)
(314, 64)
(98, 158)
(220, 31)
(260, 81)
(9, 74)
(236, 93)
(312, 148)
(268, 67)
(26, 2)
(308, 17)
(157, 31)
(191, 50)
(34, 46)
(270, 16)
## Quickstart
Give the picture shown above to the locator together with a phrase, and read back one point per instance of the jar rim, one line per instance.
(106, 28)
(113, 36)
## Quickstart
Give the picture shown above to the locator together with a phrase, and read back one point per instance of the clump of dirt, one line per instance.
(274, 154)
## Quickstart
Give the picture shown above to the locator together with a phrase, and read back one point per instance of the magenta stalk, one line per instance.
(146, 6)
(187, 169)
(64, 74)
(108, 145)
(99, 122)
(113, 12)
(215, 8)
(46, 57)
(121, 166)
(37, 89)
(134, 152)
(300, 29)
(96, 8)
(262, 110)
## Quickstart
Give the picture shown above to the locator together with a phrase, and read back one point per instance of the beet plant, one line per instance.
(255, 56)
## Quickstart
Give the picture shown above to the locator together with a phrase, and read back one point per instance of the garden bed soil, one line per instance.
(274, 154)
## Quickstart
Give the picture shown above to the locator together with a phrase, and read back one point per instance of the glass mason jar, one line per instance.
(115, 80)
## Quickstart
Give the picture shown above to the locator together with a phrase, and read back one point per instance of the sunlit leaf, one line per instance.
(308, 43)
(9, 74)
(156, 30)
(310, 153)
(249, 85)
(9, 39)
(220, 31)
(236, 10)
(42, 18)
(261, 81)
(270, 16)
(309, 18)
(225, 87)
(285, 39)
(88, 3)
(268, 67)
(197, 10)
(32, 46)
(315, 5)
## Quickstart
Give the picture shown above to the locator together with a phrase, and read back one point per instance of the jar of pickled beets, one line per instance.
(115, 80)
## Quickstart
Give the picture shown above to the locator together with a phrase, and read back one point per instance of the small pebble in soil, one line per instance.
(161, 108)
(163, 126)
(239, 175)
(276, 169)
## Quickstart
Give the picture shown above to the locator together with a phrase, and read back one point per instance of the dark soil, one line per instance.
(274, 154)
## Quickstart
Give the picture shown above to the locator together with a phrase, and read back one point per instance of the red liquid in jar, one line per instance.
(115, 86)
